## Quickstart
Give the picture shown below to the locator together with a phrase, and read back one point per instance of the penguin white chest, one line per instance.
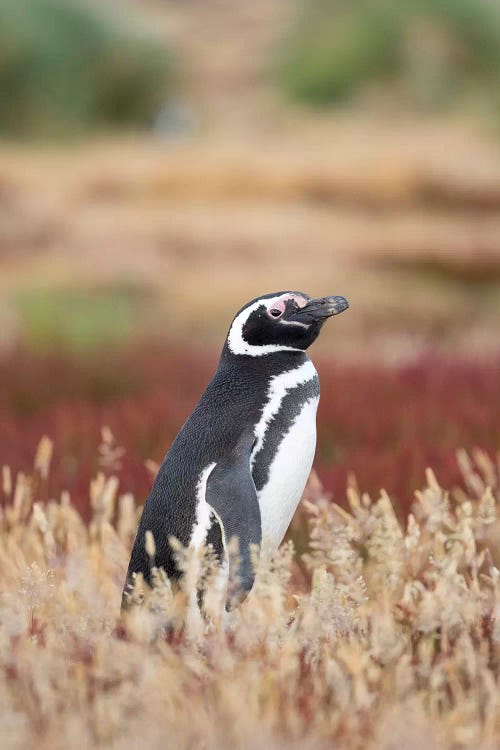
(285, 447)
(288, 474)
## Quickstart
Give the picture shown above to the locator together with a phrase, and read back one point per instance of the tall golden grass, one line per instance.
(379, 637)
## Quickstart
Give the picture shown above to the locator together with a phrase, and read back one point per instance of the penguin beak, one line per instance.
(323, 307)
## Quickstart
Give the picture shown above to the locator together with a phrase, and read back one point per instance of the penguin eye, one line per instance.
(275, 313)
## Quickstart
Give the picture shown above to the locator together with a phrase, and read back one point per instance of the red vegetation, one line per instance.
(385, 425)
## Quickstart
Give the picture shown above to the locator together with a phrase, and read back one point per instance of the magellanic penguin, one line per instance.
(240, 463)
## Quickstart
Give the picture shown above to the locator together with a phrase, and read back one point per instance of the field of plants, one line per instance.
(321, 146)
(383, 425)
(375, 626)
(379, 636)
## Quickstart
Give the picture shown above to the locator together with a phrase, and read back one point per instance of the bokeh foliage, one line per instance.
(431, 53)
(80, 319)
(70, 66)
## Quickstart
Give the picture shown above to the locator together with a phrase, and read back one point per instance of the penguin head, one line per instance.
(283, 321)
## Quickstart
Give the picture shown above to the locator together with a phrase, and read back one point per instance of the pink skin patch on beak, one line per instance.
(301, 301)
(280, 303)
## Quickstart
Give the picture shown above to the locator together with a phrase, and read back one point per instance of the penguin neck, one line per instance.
(270, 364)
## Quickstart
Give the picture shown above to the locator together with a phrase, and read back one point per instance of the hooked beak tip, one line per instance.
(337, 304)
(322, 308)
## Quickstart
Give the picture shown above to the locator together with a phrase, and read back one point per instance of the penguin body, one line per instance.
(240, 463)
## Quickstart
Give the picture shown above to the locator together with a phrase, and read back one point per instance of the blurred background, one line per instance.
(162, 162)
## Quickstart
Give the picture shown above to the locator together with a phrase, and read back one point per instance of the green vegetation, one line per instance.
(431, 53)
(69, 67)
(81, 319)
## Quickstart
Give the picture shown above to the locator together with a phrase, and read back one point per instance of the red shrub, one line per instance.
(385, 425)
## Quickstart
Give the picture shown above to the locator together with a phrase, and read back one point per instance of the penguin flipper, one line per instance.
(231, 494)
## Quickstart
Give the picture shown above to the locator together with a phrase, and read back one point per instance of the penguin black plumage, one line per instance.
(240, 462)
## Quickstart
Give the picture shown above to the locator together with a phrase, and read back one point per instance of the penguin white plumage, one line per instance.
(240, 462)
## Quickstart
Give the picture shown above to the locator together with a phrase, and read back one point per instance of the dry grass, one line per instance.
(390, 638)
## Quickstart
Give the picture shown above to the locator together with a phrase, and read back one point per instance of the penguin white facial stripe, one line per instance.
(237, 343)
(295, 323)
(279, 386)
(203, 509)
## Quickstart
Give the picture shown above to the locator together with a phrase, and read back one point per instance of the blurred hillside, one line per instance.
(172, 239)
(168, 233)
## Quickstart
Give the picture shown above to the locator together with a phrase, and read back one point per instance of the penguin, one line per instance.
(239, 464)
